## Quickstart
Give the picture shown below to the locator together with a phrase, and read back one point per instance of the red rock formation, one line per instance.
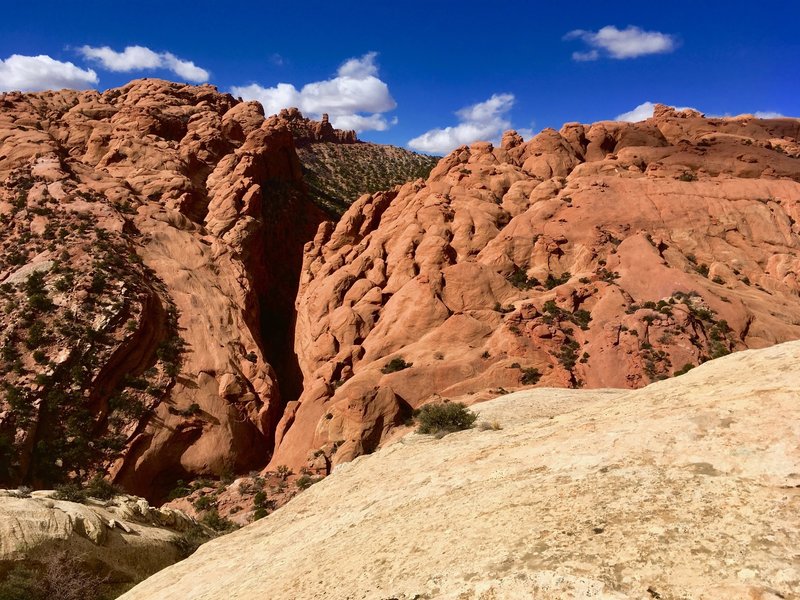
(306, 131)
(212, 200)
(605, 255)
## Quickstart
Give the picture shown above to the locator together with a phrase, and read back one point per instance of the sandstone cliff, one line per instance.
(687, 488)
(605, 255)
(151, 244)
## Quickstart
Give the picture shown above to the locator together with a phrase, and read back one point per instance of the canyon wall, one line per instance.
(605, 255)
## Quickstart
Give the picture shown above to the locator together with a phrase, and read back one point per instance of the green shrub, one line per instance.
(179, 491)
(191, 540)
(101, 489)
(305, 481)
(444, 418)
(552, 282)
(530, 376)
(394, 365)
(54, 575)
(520, 280)
(71, 492)
(203, 503)
(220, 524)
(283, 471)
(97, 487)
(684, 369)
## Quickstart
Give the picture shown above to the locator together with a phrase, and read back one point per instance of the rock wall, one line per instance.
(193, 211)
(307, 131)
(605, 255)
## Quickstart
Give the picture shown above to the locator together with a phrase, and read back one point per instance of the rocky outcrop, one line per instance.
(307, 131)
(687, 488)
(338, 167)
(123, 540)
(605, 255)
(166, 224)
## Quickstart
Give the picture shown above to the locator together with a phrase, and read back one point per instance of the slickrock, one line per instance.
(123, 540)
(605, 255)
(687, 488)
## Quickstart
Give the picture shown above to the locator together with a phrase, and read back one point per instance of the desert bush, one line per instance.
(71, 492)
(552, 282)
(520, 280)
(191, 539)
(204, 503)
(305, 481)
(283, 471)
(394, 365)
(102, 489)
(179, 491)
(684, 369)
(97, 487)
(530, 376)
(260, 513)
(219, 524)
(444, 418)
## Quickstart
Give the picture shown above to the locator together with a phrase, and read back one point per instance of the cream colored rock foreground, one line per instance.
(688, 488)
(123, 540)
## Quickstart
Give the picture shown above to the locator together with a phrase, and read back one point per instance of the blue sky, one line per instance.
(501, 63)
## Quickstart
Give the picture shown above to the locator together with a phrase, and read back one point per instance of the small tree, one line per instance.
(444, 418)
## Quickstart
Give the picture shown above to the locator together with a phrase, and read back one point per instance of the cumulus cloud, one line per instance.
(621, 43)
(140, 58)
(481, 121)
(355, 90)
(645, 111)
(36, 73)
(640, 113)
(768, 114)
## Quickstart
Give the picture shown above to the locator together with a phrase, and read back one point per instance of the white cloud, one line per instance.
(585, 56)
(640, 113)
(621, 43)
(36, 73)
(527, 133)
(644, 111)
(375, 122)
(481, 121)
(768, 114)
(139, 58)
(356, 89)
(184, 68)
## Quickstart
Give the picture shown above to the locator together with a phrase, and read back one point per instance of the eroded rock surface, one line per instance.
(605, 255)
(122, 540)
(687, 488)
(151, 243)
